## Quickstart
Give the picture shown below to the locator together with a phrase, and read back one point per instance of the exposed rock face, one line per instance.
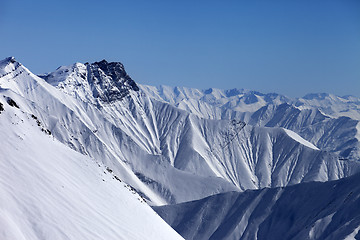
(109, 81)
(104, 81)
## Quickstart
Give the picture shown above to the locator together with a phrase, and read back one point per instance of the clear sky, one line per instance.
(290, 47)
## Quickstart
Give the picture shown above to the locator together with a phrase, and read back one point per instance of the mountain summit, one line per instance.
(7, 66)
(106, 81)
(110, 80)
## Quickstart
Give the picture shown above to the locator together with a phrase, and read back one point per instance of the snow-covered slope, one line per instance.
(214, 103)
(299, 139)
(329, 122)
(339, 135)
(347, 106)
(305, 211)
(49, 191)
(243, 100)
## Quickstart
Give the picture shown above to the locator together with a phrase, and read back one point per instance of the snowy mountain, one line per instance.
(328, 121)
(305, 211)
(194, 149)
(348, 106)
(243, 100)
(173, 146)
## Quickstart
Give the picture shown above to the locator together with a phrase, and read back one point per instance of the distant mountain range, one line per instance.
(168, 146)
(328, 121)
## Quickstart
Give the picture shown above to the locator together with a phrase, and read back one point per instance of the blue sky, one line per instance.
(290, 47)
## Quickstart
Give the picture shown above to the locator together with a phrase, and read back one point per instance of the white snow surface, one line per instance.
(296, 137)
(49, 191)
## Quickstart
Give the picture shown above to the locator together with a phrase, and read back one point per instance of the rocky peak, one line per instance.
(103, 81)
(109, 81)
(8, 62)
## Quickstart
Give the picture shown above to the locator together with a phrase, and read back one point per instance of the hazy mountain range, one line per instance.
(86, 148)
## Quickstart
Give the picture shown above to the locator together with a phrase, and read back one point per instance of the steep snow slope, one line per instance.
(299, 139)
(305, 211)
(268, 157)
(329, 122)
(339, 135)
(48, 191)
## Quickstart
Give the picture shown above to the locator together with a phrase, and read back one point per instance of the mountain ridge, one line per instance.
(314, 210)
(312, 120)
